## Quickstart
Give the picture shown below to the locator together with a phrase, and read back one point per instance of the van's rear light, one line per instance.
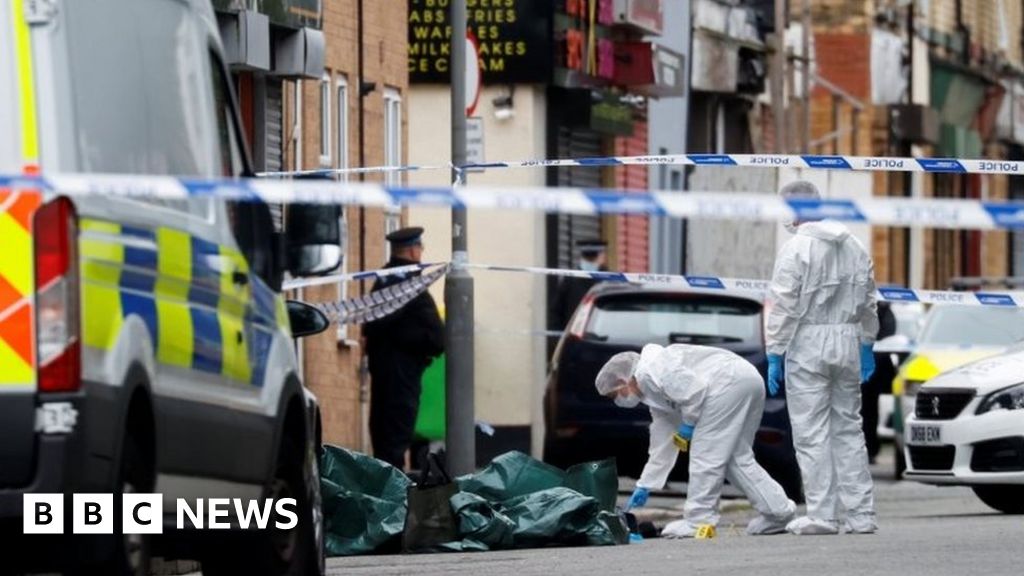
(55, 230)
(578, 324)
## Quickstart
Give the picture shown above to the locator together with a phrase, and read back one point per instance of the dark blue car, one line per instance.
(582, 425)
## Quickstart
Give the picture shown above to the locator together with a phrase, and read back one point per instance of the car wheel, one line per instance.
(899, 463)
(1006, 498)
(273, 552)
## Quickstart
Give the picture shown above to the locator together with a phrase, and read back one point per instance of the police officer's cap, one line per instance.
(593, 247)
(411, 236)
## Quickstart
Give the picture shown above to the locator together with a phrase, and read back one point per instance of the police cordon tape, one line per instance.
(821, 162)
(356, 276)
(884, 211)
(354, 310)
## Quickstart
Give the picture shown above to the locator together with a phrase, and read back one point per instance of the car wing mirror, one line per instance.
(306, 320)
(895, 344)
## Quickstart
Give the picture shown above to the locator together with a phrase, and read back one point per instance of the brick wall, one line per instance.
(332, 368)
(632, 237)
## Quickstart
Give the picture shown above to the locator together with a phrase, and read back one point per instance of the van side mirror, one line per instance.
(306, 320)
(313, 239)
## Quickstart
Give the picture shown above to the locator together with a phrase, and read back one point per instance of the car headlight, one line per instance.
(912, 387)
(1011, 398)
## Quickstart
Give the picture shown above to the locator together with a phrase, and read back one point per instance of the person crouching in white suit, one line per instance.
(708, 401)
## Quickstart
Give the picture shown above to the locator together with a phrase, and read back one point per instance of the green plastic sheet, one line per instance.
(363, 502)
(515, 502)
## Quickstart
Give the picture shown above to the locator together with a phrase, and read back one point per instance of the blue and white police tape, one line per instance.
(882, 211)
(759, 288)
(822, 162)
(356, 276)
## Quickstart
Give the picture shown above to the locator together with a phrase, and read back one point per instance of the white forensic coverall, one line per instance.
(823, 307)
(722, 396)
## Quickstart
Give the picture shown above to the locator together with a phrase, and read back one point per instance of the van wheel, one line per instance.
(273, 552)
(130, 553)
(1006, 498)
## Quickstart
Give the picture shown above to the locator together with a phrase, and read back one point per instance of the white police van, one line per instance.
(145, 345)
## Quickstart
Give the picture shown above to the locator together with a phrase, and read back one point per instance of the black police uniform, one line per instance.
(399, 348)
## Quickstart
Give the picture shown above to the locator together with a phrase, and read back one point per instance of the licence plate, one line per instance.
(925, 435)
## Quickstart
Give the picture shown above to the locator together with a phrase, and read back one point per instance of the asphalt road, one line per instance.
(923, 530)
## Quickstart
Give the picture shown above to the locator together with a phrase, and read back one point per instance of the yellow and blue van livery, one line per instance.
(202, 307)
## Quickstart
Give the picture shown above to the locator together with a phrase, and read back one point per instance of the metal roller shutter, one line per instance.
(576, 143)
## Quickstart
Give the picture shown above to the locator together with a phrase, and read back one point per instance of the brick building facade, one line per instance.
(331, 361)
(964, 51)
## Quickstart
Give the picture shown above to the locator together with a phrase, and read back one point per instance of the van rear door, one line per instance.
(18, 154)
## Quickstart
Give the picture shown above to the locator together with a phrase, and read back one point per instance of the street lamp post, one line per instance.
(460, 437)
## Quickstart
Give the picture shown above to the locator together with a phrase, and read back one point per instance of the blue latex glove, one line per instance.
(682, 437)
(638, 499)
(867, 362)
(776, 373)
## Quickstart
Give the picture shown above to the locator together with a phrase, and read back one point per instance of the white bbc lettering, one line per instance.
(92, 514)
(251, 512)
(281, 506)
(142, 514)
(195, 516)
(219, 509)
(42, 514)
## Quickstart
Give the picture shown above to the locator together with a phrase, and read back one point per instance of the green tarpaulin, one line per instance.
(515, 502)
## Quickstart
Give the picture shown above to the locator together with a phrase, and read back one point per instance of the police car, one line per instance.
(145, 345)
(968, 429)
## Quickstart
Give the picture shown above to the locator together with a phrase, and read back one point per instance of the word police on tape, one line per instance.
(821, 162)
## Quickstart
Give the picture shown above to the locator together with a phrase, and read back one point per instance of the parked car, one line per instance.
(909, 318)
(612, 318)
(952, 336)
(968, 429)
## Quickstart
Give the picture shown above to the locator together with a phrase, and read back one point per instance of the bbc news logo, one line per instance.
(144, 514)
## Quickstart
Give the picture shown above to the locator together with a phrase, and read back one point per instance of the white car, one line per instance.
(968, 429)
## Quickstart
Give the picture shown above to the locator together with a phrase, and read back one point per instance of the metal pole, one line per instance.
(778, 78)
(460, 433)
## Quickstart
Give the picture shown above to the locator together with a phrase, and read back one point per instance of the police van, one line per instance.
(145, 345)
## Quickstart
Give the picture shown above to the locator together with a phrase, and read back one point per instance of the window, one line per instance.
(297, 127)
(325, 121)
(672, 319)
(231, 164)
(341, 158)
(392, 155)
(392, 134)
(341, 161)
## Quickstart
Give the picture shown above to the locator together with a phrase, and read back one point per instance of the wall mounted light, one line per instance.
(504, 106)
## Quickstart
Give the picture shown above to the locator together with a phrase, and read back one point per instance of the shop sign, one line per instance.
(513, 36)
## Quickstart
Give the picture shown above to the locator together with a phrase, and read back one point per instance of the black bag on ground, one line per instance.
(430, 520)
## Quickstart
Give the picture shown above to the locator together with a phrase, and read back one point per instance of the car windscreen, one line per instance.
(973, 326)
(674, 319)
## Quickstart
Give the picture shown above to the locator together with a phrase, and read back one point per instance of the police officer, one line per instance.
(399, 348)
(570, 291)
